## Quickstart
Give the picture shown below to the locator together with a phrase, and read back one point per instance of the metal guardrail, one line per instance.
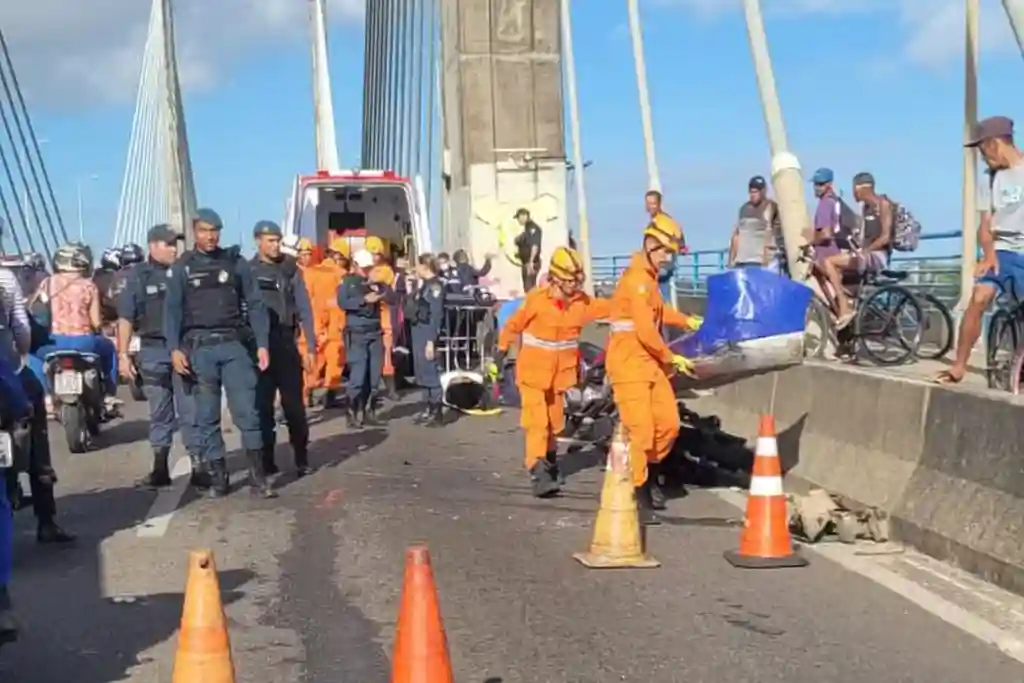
(939, 275)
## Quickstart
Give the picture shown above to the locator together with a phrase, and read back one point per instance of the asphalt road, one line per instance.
(311, 580)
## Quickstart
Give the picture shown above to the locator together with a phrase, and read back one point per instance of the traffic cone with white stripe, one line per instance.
(765, 542)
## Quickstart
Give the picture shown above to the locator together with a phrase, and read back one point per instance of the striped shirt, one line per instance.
(13, 302)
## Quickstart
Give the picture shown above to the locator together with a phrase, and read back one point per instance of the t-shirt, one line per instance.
(1005, 200)
(529, 238)
(758, 227)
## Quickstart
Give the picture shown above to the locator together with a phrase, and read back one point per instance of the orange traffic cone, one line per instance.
(765, 542)
(618, 542)
(421, 647)
(204, 651)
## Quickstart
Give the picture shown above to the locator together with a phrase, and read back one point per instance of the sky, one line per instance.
(872, 85)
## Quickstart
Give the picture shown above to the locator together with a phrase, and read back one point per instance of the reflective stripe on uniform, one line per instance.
(530, 340)
(622, 326)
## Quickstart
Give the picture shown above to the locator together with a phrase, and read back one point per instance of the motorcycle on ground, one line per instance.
(77, 381)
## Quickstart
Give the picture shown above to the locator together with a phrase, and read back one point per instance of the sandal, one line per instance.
(946, 378)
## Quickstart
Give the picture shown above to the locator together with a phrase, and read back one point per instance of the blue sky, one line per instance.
(874, 89)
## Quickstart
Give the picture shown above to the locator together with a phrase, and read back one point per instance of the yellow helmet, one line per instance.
(375, 245)
(566, 264)
(339, 245)
(666, 231)
(304, 245)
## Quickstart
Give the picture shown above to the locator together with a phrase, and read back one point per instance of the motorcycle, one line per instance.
(77, 382)
(590, 413)
(135, 384)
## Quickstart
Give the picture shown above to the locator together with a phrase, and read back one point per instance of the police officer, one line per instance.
(425, 311)
(364, 339)
(140, 310)
(208, 292)
(284, 295)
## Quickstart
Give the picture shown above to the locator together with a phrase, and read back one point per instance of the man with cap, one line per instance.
(1000, 234)
(360, 298)
(279, 282)
(756, 237)
(528, 247)
(140, 310)
(830, 229)
(212, 340)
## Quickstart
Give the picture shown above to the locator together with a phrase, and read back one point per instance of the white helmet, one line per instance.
(290, 245)
(363, 258)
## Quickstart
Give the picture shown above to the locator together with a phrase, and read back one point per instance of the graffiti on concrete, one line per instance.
(511, 21)
(500, 217)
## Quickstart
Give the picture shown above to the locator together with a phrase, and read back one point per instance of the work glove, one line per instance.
(693, 323)
(683, 365)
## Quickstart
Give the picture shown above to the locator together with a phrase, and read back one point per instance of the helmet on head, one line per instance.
(363, 258)
(304, 245)
(666, 232)
(132, 254)
(73, 257)
(566, 265)
(340, 245)
(290, 245)
(111, 259)
(375, 245)
(35, 261)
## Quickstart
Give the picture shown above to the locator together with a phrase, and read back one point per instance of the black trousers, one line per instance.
(283, 375)
(530, 281)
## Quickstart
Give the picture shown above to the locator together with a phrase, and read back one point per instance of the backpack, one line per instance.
(906, 230)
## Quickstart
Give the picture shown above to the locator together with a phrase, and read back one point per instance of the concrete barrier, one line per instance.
(946, 463)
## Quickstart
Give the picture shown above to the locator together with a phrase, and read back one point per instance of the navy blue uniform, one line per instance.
(141, 303)
(425, 313)
(208, 297)
(287, 303)
(364, 343)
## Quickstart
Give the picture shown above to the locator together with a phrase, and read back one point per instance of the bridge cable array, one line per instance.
(26, 192)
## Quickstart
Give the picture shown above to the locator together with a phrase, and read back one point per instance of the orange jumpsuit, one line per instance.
(637, 363)
(385, 275)
(548, 360)
(330, 322)
(311, 376)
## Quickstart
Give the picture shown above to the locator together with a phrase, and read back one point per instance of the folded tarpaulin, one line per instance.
(746, 304)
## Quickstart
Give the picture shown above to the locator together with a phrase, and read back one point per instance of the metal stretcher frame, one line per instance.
(467, 337)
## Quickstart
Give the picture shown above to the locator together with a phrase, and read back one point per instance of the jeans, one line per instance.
(83, 343)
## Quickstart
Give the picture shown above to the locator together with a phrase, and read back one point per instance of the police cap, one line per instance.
(208, 216)
(268, 228)
(163, 233)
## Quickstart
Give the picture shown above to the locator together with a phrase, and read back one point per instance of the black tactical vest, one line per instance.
(153, 284)
(275, 283)
(213, 291)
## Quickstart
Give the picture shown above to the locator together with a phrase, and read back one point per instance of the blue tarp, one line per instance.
(507, 310)
(746, 304)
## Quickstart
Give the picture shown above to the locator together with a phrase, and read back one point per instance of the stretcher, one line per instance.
(463, 351)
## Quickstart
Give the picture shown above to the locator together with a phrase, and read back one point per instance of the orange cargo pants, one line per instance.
(649, 413)
(542, 417)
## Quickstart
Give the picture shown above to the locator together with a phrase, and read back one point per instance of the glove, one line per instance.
(693, 323)
(683, 365)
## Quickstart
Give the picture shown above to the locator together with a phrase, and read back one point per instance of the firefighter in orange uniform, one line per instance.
(311, 375)
(639, 362)
(383, 273)
(547, 328)
(330, 320)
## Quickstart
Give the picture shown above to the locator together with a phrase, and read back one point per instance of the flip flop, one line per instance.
(946, 378)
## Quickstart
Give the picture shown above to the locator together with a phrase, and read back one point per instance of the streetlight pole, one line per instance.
(81, 213)
(577, 145)
(969, 228)
(640, 64)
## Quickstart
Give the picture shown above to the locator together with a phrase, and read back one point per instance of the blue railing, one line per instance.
(938, 274)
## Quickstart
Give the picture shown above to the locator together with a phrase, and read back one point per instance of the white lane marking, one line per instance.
(1009, 642)
(158, 519)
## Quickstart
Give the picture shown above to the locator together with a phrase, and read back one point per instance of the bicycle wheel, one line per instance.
(817, 329)
(1001, 342)
(937, 334)
(889, 318)
(1015, 372)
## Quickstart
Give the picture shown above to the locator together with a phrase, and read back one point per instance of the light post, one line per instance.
(81, 214)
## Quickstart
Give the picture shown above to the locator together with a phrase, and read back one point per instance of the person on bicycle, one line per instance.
(755, 239)
(1000, 234)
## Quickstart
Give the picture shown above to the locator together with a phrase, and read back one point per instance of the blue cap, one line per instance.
(822, 176)
(266, 228)
(208, 216)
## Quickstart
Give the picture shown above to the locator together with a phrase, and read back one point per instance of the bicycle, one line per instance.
(1004, 356)
(938, 327)
(884, 309)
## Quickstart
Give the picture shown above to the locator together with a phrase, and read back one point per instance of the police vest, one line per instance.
(149, 323)
(275, 282)
(212, 291)
(368, 315)
(417, 309)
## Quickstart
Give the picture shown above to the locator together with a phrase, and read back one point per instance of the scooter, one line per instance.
(590, 412)
(77, 381)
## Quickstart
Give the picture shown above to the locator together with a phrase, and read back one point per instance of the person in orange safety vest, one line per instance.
(547, 328)
(329, 319)
(639, 362)
(383, 273)
(311, 374)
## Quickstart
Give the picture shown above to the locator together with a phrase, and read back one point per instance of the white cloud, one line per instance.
(75, 52)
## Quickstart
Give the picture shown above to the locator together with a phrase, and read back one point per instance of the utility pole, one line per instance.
(786, 173)
(577, 145)
(969, 229)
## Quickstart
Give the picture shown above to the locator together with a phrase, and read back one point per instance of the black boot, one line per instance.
(160, 476)
(200, 476)
(369, 417)
(436, 417)
(270, 467)
(552, 460)
(8, 624)
(302, 466)
(352, 416)
(658, 499)
(220, 482)
(258, 484)
(49, 533)
(645, 510)
(543, 482)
